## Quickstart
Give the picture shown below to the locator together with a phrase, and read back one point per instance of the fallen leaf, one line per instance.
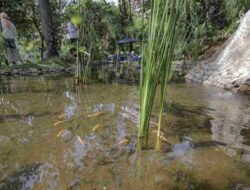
(124, 142)
(60, 133)
(57, 123)
(96, 127)
(80, 140)
(62, 116)
(96, 114)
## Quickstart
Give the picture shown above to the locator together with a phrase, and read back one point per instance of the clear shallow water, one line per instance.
(209, 131)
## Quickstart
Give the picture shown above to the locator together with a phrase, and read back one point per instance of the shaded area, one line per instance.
(21, 179)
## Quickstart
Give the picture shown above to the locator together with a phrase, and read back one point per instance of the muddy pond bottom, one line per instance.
(54, 135)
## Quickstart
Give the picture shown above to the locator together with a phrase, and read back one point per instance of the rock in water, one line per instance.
(229, 68)
(4, 138)
(66, 136)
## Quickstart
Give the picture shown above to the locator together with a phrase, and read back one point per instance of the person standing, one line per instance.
(73, 36)
(8, 34)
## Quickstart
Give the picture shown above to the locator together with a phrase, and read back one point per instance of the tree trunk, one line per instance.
(48, 29)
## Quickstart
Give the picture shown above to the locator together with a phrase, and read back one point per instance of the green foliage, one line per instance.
(135, 28)
(204, 22)
(97, 24)
(1, 53)
(100, 20)
(76, 20)
(26, 16)
(18, 11)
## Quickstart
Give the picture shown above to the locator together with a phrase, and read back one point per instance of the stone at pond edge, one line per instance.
(245, 87)
(247, 82)
(228, 86)
(35, 71)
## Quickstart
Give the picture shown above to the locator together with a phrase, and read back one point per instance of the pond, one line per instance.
(55, 135)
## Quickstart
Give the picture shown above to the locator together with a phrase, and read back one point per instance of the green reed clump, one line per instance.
(87, 42)
(157, 61)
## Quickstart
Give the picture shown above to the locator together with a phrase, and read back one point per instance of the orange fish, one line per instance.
(60, 133)
(96, 127)
(123, 142)
(164, 139)
(80, 140)
(96, 114)
(62, 116)
(57, 123)
(156, 132)
(154, 123)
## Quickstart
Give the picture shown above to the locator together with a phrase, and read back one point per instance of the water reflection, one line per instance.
(5, 85)
(30, 176)
(183, 151)
(29, 120)
(204, 127)
(231, 116)
(71, 108)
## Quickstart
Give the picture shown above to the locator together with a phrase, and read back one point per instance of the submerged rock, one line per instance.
(244, 89)
(4, 138)
(24, 140)
(3, 166)
(66, 136)
(28, 176)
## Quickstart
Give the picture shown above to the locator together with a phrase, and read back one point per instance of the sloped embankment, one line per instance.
(229, 68)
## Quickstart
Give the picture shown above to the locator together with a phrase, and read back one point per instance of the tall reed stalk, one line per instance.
(157, 62)
(86, 43)
(77, 24)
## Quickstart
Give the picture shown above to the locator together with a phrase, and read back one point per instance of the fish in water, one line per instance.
(124, 142)
(80, 139)
(96, 114)
(156, 131)
(164, 139)
(96, 127)
(62, 116)
(57, 123)
(60, 133)
(154, 124)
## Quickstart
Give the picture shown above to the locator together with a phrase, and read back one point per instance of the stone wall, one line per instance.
(34, 71)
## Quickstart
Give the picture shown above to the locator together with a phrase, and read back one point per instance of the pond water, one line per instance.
(208, 130)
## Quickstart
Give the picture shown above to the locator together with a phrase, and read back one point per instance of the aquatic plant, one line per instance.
(86, 42)
(157, 61)
(77, 20)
